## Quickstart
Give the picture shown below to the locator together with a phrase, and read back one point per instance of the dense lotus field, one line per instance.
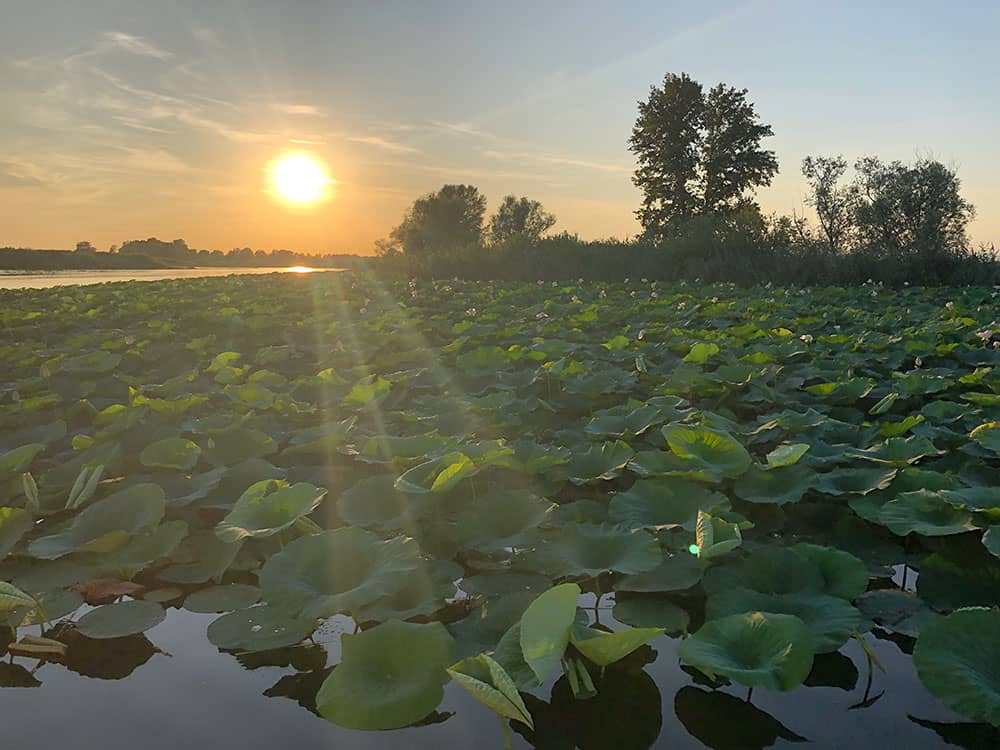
(525, 490)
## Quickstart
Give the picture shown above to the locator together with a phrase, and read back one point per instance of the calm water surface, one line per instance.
(188, 694)
(46, 279)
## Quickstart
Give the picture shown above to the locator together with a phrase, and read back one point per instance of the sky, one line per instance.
(127, 119)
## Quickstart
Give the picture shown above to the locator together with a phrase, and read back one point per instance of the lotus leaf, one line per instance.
(925, 512)
(545, 628)
(714, 450)
(171, 453)
(649, 612)
(757, 649)
(121, 619)
(490, 684)
(664, 503)
(777, 486)
(224, 598)
(599, 462)
(259, 628)
(388, 677)
(267, 508)
(592, 549)
(338, 571)
(958, 659)
(604, 649)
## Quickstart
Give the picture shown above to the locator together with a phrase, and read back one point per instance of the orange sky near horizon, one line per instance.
(129, 120)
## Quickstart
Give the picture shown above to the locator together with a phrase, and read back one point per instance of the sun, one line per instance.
(300, 179)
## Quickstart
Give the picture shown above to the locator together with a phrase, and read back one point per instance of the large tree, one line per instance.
(519, 218)
(448, 219)
(911, 208)
(836, 205)
(698, 153)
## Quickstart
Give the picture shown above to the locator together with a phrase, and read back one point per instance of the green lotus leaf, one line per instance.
(206, 557)
(959, 576)
(593, 549)
(482, 629)
(16, 461)
(985, 500)
(376, 504)
(509, 655)
(667, 463)
(239, 443)
(120, 619)
(714, 450)
(106, 525)
(604, 649)
(831, 620)
(225, 598)
(490, 684)
(437, 475)
(757, 649)
(664, 503)
(163, 595)
(259, 628)
(499, 520)
(786, 455)
(599, 462)
(991, 540)
(777, 486)
(252, 395)
(715, 537)
(388, 677)
(925, 512)
(338, 571)
(675, 573)
(267, 508)
(897, 611)
(958, 659)
(647, 612)
(425, 593)
(624, 421)
(320, 441)
(843, 574)
(843, 391)
(387, 449)
(12, 598)
(14, 524)
(897, 451)
(171, 453)
(853, 481)
(988, 436)
(545, 627)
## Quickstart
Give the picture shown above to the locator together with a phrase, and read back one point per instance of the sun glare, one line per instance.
(300, 179)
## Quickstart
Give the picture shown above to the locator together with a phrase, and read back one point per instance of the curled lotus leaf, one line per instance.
(437, 475)
(106, 525)
(545, 628)
(757, 649)
(778, 486)
(853, 481)
(267, 508)
(171, 453)
(664, 503)
(958, 659)
(489, 683)
(599, 462)
(388, 677)
(604, 649)
(500, 520)
(715, 450)
(897, 451)
(593, 549)
(338, 571)
(924, 512)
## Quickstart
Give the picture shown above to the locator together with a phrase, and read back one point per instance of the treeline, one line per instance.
(156, 253)
(700, 162)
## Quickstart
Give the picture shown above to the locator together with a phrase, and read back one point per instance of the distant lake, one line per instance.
(46, 279)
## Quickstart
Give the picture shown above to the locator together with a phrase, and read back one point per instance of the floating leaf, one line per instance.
(715, 450)
(664, 503)
(388, 677)
(757, 649)
(259, 628)
(224, 598)
(121, 619)
(267, 508)
(171, 453)
(958, 659)
(545, 628)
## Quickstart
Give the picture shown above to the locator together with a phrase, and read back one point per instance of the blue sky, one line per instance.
(131, 118)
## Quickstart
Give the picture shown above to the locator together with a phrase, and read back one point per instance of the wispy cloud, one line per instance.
(460, 128)
(306, 142)
(134, 44)
(19, 175)
(556, 159)
(297, 109)
(382, 143)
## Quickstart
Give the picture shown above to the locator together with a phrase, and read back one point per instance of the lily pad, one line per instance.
(958, 660)
(267, 508)
(925, 512)
(664, 503)
(757, 649)
(120, 619)
(259, 628)
(221, 598)
(388, 677)
(171, 453)
(715, 450)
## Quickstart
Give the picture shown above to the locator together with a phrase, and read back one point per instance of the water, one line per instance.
(46, 279)
(196, 696)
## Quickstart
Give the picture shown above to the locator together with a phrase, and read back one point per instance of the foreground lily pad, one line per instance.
(121, 619)
(958, 660)
(338, 571)
(756, 649)
(259, 628)
(388, 677)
